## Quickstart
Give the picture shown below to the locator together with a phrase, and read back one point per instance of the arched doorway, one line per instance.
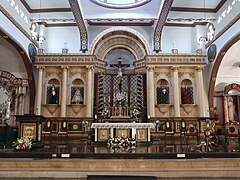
(224, 74)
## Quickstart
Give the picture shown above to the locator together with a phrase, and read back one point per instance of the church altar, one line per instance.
(139, 131)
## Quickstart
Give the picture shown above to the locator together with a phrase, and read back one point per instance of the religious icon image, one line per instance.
(232, 109)
(212, 52)
(53, 96)
(77, 98)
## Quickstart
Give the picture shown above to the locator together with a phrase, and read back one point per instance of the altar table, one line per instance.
(139, 131)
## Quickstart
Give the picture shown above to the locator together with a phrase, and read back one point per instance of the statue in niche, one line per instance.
(53, 95)
(77, 98)
(186, 96)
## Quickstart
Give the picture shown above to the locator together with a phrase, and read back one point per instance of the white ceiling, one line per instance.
(91, 10)
(44, 4)
(212, 4)
(150, 10)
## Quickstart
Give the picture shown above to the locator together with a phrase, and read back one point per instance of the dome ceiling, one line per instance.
(123, 4)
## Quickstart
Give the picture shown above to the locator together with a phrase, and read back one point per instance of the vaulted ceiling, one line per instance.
(60, 10)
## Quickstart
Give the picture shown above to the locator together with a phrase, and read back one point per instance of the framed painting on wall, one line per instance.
(29, 130)
(103, 134)
(141, 135)
(122, 133)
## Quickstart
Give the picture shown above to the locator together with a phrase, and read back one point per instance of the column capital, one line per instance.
(199, 68)
(175, 68)
(64, 67)
(89, 68)
(40, 67)
(150, 68)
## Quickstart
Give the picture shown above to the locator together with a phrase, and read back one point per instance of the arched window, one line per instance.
(163, 92)
(187, 92)
(77, 92)
(52, 95)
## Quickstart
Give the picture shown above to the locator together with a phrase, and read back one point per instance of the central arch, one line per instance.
(120, 37)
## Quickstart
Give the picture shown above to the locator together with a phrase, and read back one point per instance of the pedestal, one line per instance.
(30, 126)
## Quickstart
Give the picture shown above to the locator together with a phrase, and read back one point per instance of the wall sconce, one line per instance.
(174, 49)
(40, 49)
(65, 49)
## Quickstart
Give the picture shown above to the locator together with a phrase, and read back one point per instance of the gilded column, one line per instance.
(39, 90)
(200, 92)
(150, 93)
(64, 91)
(176, 96)
(225, 105)
(89, 91)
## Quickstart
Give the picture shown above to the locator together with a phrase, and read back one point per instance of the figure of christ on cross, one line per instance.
(120, 66)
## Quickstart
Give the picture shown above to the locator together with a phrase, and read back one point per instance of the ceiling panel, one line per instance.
(212, 4)
(91, 10)
(42, 4)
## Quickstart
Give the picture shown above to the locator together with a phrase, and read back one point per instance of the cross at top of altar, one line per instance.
(123, 125)
(119, 66)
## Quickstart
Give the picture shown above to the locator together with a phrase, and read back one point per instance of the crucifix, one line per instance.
(120, 66)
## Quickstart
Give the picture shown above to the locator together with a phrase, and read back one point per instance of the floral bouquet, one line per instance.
(121, 142)
(23, 144)
(104, 112)
(120, 99)
(135, 113)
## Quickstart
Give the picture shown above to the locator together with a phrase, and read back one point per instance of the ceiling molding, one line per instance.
(186, 25)
(222, 2)
(81, 26)
(120, 22)
(166, 24)
(160, 24)
(185, 9)
(59, 24)
(47, 10)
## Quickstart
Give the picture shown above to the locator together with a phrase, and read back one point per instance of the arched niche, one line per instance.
(162, 91)
(187, 92)
(123, 38)
(77, 92)
(52, 91)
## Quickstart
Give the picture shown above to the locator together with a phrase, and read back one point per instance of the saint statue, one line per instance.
(77, 98)
(53, 95)
(186, 96)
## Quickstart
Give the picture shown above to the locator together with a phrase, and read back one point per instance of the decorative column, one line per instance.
(150, 92)
(16, 109)
(111, 133)
(89, 91)
(200, 92)
(176, 97)
(225, 110)
(64, 91)
(39, 90)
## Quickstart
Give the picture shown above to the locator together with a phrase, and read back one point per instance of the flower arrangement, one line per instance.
(121, 142)
(135, 113)
(104, 112)
(23, 144)
(120, 99)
